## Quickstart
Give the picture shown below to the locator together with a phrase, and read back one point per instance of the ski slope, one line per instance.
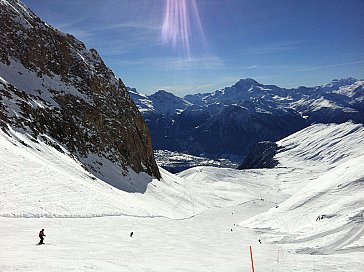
(325, 213)
(39, 181)
(203, 219)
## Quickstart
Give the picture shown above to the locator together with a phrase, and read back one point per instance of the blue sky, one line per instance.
(283, 42)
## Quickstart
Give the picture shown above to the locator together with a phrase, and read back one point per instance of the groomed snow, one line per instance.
(325, 214)
(188, 222)
(39, 181)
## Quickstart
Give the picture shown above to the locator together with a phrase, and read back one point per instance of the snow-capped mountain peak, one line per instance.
(270, 113)
(161, 102)
(246, 83)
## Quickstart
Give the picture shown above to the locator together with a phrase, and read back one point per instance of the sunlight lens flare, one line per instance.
(179, 18)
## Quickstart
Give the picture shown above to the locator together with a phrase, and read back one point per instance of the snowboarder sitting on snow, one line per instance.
(41, 236)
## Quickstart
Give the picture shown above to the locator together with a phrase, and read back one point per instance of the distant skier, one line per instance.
(259, 241)
(318, 218)
(131, 234)
(41, 236)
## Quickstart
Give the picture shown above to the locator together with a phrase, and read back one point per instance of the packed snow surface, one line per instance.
(307, 212)
(326, 210)
(39, 181)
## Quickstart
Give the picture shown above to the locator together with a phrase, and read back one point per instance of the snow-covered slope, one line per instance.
(38, 180)
(160, 103)
(320, 173)
(325, 213)
(142, 101)
(317, 149)
(167, 103)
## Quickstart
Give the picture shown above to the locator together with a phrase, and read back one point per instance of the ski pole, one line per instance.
(251, 258)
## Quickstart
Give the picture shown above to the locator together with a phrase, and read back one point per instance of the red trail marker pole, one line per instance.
(251, 258)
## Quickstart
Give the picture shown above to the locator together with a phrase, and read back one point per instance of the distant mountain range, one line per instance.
(228, 123)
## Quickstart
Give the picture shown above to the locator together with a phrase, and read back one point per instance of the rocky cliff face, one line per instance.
(55, 89)
(261, 157)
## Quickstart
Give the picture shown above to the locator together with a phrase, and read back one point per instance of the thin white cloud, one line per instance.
(183, 89)
(124, 44)
(314, 68)
(271, 48)
(132, 25)
(73, 28)
(174, 63)
(198, 87)
(80, 34)
(177, 89)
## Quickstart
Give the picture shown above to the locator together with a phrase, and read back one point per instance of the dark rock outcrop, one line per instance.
(52, 85)
(261, 157)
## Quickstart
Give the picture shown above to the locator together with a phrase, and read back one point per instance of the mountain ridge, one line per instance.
(229, 122)
(53, 86)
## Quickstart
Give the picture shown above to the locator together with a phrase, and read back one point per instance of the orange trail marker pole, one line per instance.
(251, 258)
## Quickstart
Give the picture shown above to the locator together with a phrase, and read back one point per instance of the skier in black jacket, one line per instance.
(41, 236)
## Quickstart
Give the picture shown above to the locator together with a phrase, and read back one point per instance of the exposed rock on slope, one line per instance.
(52, 85)
(261, 157)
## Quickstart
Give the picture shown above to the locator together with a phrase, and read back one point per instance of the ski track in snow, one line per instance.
(203, 219)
